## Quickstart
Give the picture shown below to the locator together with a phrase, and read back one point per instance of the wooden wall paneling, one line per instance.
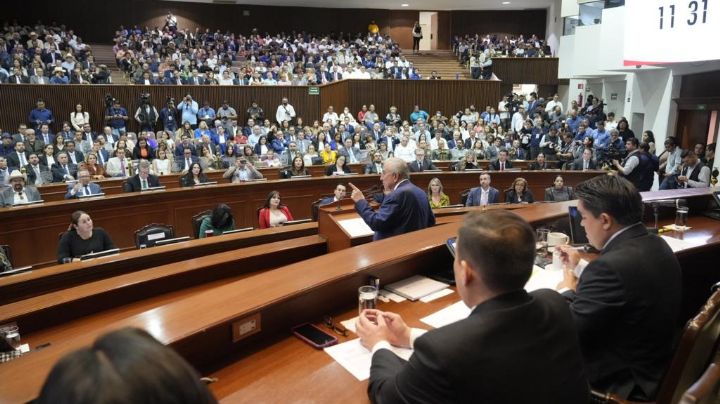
(513, 22)
(335, 94)
(541, 71)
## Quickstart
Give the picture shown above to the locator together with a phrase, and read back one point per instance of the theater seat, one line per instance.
(464, 195)
(148, 235)
(695, 350)
(197, 219)
(707, 389)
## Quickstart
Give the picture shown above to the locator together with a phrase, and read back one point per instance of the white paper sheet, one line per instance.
(677, 244)
(350, 324)
(416, 287)
(429, 298)
(356, 359)
(356, 227)
(448, 315)
(543, 279)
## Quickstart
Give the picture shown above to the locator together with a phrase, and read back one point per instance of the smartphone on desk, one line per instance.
(314, 336)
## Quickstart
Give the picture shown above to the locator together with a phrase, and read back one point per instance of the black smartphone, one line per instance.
(451, 245)
(314, 336)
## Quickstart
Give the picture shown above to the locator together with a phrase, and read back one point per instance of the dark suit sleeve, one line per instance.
(600, 296)
(431, 166)
(386, 216)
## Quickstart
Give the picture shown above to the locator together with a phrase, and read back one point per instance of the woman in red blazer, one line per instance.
(272, 213)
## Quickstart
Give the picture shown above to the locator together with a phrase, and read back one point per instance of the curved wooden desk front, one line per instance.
(32, 231)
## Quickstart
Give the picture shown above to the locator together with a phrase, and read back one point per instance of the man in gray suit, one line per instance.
(37, 174)
(18, 193)
(352, 154)
(39, 77)
(289, 154)
(83, 187)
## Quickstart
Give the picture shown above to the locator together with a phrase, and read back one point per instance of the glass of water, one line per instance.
(681, 216)
(367, 298)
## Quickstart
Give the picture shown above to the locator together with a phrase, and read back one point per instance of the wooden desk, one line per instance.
(32, 231)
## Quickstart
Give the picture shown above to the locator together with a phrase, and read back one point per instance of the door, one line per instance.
(428, 24)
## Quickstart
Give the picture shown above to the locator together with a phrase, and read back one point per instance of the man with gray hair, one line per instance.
(143, 179)
(405, 207)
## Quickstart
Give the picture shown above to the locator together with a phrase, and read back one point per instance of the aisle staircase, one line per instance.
(442, 61)
(104, 55)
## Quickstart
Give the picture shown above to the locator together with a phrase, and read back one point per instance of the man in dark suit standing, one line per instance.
(502, 163)
(625, 302)
(484, 194)
(405, 208)
(143, 179)
(483, 357)
(420, 163)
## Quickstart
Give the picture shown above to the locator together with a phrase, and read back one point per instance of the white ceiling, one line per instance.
(394, 4)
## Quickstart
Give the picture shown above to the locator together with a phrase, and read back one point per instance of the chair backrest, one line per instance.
(694, 351)
(5, 266)
(315, 209)
(464, 195)
(707, 389)
(148, 235)
(197, 220)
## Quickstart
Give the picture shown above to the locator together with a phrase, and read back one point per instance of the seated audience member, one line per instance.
(83, 186)
(219, 221)
(351, 153)
(375, 166)
(270, 159)
(338, 194)
(47, 158)
(143, 179)
(97, 171)
(539, 163)
(18, 158)
(519, 192)
(143, 151)
(585, 162)
(339, 168)
(207, 159)
(63, 170)
(118, 166)
(469, 162)
(694, 174)
(242, 171)
(404, 207)
(124, 366)
(442, 152)
(559, 192)
(626, 328)
(18, 193)
(311, 157)
(436, 196)
(163, 163)
(484, 194)
(709, 159)
(81, 238)
(296, 169)
(273, 214)
(494, 259)
(185, 161)
(420, 163)
(193, 177)
(37, 174)
(328, 155)
(502, 163)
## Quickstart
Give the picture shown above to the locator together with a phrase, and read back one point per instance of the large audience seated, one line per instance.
(175, 55)
(43, 54)
(477, 51)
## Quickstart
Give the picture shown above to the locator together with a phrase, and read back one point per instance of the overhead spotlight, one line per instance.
(505, 3)
(404, 5)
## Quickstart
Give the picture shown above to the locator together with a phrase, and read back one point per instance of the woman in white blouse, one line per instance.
(161, 165)
(79, 117)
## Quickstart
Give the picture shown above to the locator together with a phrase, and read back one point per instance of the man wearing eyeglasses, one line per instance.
(83, 187)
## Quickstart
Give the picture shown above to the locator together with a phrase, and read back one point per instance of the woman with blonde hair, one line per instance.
(436, 196)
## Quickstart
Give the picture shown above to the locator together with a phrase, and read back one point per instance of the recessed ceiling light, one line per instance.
(404, 5)
(505, 3)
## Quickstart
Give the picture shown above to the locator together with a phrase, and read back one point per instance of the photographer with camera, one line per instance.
(168, 116)
(116, 116)
(637, 167)
(146, 114)
(188, 111)
(550, 144)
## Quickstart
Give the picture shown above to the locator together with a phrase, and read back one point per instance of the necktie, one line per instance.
(144, 184)
(100, 157)
(23, 161)
(122, 167)
(47, 138)
(502, 166)
(188, 164)
(38, 176)
(86, 192)
(67, 172)
(585, 165)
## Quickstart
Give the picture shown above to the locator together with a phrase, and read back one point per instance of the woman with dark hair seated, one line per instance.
(339, 168)
(81, 238)
(193, 177)
(220, 221)
(297, 169)
(273, 214)
(519, 192)
(559, 192)
(143, 150)
(124, 366)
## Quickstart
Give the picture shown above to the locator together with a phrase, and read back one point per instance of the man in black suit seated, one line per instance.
(502, 163)
(338, 194)
(62, 170)
(514, 347)
(626, 301)
(586, 162)
(375, 167)
(143, 179)
(420, 163)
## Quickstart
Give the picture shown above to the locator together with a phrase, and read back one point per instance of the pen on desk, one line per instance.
(661, 231)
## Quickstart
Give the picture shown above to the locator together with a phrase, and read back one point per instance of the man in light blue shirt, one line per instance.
(601, 138)
(188, 109)
(207, 114)
(418, 114)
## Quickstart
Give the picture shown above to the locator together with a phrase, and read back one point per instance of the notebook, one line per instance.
(416, 287)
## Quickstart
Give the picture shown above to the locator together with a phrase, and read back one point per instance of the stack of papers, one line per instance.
(356, 227)
(416, 287)
(543, 279)
(356, 359)
(677, 244)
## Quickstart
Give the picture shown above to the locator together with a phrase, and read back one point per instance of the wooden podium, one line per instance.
(343, 228)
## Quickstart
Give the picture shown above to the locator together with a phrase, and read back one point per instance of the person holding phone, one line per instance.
(494, 257)
(242, 171)
(417, 36)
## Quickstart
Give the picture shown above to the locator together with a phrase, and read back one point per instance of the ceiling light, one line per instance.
(404, 5)
(505, 3)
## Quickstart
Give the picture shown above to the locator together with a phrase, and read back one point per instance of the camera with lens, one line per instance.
(109, 100)
(144, 98)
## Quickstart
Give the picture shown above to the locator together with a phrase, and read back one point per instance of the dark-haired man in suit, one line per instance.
(585, 162)
(502, 163)
(63, 170)
(484, 194)
(481, 358)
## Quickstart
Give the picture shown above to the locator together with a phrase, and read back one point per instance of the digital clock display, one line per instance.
(671, 31)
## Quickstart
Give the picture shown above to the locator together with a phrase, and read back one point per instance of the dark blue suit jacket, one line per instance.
(475, 194)
(93, 187)
(404, 210)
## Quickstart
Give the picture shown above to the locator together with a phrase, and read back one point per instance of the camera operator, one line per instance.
(146, 114)
(637, 167)
(116, 116)
(550, 143)
(168, 116)
(189, 109)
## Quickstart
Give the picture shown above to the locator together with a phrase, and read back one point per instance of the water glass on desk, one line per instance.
(367, 298)
(11, 334)
(681, 216)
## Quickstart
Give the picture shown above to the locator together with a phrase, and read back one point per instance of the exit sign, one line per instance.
(313, 90)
